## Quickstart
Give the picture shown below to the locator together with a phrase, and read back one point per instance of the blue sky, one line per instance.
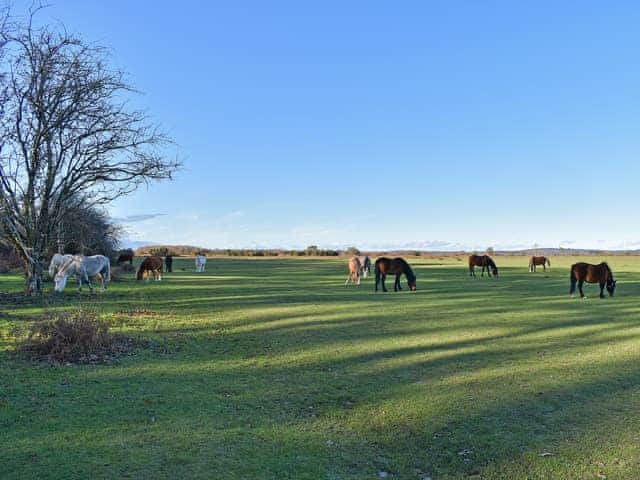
(383, 124)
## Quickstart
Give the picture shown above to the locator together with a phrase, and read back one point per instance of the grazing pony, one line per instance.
(84, 268)
(150, 266)
(355, 269)
(533, 261)
(201, 261)
(394, 266)
(584, 272)
(484, 261)
(365, 265)
(125, 256)
(56, 262)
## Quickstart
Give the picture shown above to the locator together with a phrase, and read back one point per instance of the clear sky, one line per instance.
(383, 124)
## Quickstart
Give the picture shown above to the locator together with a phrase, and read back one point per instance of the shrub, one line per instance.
(127, 268)
(78, 336)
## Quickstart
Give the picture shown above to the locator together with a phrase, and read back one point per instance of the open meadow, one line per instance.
(272, 368)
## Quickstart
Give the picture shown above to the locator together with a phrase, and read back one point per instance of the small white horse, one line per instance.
(201, 261)
(84, 268)
(365, 265)
(56, 262)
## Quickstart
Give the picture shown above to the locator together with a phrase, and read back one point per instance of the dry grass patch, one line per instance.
(76, 336)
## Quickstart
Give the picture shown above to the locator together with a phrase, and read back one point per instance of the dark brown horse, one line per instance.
(585, 272)
(150, 266)
(534, 261)
(394, 266)
(484, 261)
(125, 256)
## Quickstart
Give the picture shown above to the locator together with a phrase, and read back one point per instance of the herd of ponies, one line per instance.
(581, 272)
(85, 268)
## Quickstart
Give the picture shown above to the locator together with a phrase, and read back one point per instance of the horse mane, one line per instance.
(490, 261)
(66, 265)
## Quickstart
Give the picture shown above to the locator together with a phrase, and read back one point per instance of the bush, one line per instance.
(127, 268)
(78, 336)
(9, 260)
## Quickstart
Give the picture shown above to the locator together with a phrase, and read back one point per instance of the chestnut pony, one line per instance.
(585, 272)
(534, 261)
(484, 261)
(150, 265)
(355, 269)
(394, 266)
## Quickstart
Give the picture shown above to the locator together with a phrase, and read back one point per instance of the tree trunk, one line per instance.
(60, 241)
(34, 274)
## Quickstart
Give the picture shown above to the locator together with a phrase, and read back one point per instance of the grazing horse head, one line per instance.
(411, 278)
(68, 268)
(611, 286)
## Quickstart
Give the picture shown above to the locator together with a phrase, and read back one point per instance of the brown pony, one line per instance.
(394, 266)
(585, 272)
(484, 261)
(125, 256)
(150, 265)
(544, 261)
(354, 271)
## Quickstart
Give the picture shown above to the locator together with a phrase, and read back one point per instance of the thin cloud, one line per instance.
(138, 218)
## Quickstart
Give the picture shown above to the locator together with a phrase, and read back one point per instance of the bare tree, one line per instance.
(68, 134)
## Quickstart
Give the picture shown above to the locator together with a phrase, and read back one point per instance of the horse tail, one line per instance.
(377, 270)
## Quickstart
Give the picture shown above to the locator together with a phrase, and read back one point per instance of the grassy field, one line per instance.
(271, 368)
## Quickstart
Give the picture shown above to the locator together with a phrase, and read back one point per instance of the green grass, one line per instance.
(271, 368)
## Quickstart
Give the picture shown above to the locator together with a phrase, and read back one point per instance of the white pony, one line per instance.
(84, 268)
(56, 262)
(365, 265)
(201, 261)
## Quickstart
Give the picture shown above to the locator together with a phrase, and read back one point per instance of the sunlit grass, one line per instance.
(271, 368)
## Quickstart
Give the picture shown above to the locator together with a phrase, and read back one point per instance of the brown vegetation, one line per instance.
(78, 336)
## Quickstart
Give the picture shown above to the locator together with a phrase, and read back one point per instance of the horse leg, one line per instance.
(383, 278)
(482, 273)
(397, 284)
(580, 283)
(601, 289)
(89, 283)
